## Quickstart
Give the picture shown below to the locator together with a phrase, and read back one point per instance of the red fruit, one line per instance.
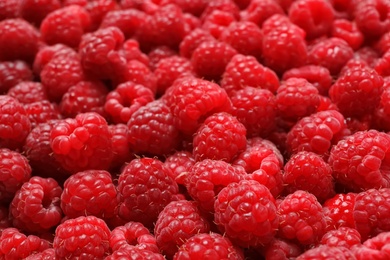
(325, 252)
(120, 145)
(192, 40)
(348, 31)
(339, 211)
(12, 73)
(259, 11)
(375, 248)
(36, 206)
(131, 51)
(35, 11)
(82, 237)
(127, 20)
(195, 7)
(342, 237)
(98, 10)
(42, 111)
(281, 249)
(180, 163)
(158, 53)
(27, 92)
(46, 254)
(9, 9)
(227, 6)
(246, 213)
(132, 252)
(217, 22)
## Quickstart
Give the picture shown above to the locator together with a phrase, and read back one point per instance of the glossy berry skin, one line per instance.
(342, 237)
(71, 240)
(246, 212)
(28, 92)
(145, 187)
(212, 246)
(281, 249)
(221, 137)
(366, 171)
(36, 206)
(375, 247)
(35, 11)
(217, 22)
(324, 252)
(339, 211)
(89, 192)
(121, 149)
(192, 40)
(348, 31)
(258, 11)
(12, 73)
(42, 111)
(127, 20)
(180, 163)
(82, 143)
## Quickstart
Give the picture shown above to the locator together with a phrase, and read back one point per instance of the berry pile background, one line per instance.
(194, 129)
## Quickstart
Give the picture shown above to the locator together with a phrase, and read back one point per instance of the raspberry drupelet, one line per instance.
(217, 22)
(180, 163)
(342, 237)
(338, 211)
(12, 73)
(28, 92)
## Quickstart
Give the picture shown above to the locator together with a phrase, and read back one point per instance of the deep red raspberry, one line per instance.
(9, 9)
(301, 218)
(212, 245)
(246, 213)
(348, 31)
(313, 16)
(193, 7)
(278, 21)
(192, 100)
(132, 252)
(19, 40)
(82, 237)
(127, 20)
(5, 220)
(135, 234)
(361, 160)
(27, 92)
(82, 143)
(331, 53)
(120, 145)
(382, 65)
(281, 249)
(180, 163)
(325, 252)
(12, 73)
(221, 5)
(36, 206)
(339, 211)
(152, 130)
(326, 104)
(98, 10)
(256, 109)
(260, 10)
(81, 197)
(217, 22)
(383, 44)
(192, 40)
(35, 11)
(317, 132)
(220, 137)
(16, 245)
(131, 51)
(85, 96)
(210, 58)
(145, 187)
(243, 71)
(177, 222)
(41, 112)
(375, 247)
(342, 237)
(343, 8)
(158, 53)
(296, 98)
(371, 212)
(319, 76)
(46, 254)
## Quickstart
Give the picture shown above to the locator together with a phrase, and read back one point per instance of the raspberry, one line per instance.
(227, 6)
(260, 10)
(27, 92)
(296, 98)
(135, 234)
(36, 206)
(383, 44)
(177, 222)
(152, 130)
(180, 163)
(217, 22)
(339, 211)
(244, 71)
(193, 7)
(5, 220)
(192, 40)
(246, 212)
(331, 53)
(371, 212)
(46, 254)
(256, 109)
(342, 237)
(361, 160)
(9, 9)
(120, 145)
(145, 188)
(82, 143)
(212, 246)
(131, 51)
(301, 218)
(206, 178)
(317, 133)
(324, 252)
(132, 252)
(98, 10)
(12, 73)
(382, 65)
(347, 31)
(191, 100)
(210, 58)
(16, 245)
(86, 237)
(158, 53)
(18, 40)
(279, 21)
(376, 247)
(317, 75)
(35, 11)
(81, 198)
(221, 137)
(42, 111)
(14, 123)
(85, 96)
(281, 249)
(127, 20)
(313, 16)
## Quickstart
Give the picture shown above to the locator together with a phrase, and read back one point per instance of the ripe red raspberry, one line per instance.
(374, 248)
(27, 92)
(339, 211)
(360, 160)
(34, 11)
(278, 21)
(152, 130)
(342, 237)
(243, 71)
(296, 98)
(325, 252)
(212, 245)
(158, 53)
(217, 22)
(260, 10)
(348, 31)
(383, 44)
(41, 112)
(331, 53)
(256, 109)
(317, 133)
(371, 212)
(82, 237)
(301, 218)
(98, 10)
(313, 16)
(382, 65)
(145, 187)
(9, 9)
(319, 76)
(180, 163)
(135, 234)
(220, 137)
(132, 252)
(131, 51)
(227, 6)
(246, 213)
(36, 206)
(120, 145)
(210, 58)
(5, 220)
(281, 249)
(19, 40)
(73, 21)
(82, 143)
(16, 245)
(46, 254)
(81, 198)
(12, 73)
(192, 40)
(177, 222)
(191, 100)
(195, 7)
(85, 96)
(127, 20)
